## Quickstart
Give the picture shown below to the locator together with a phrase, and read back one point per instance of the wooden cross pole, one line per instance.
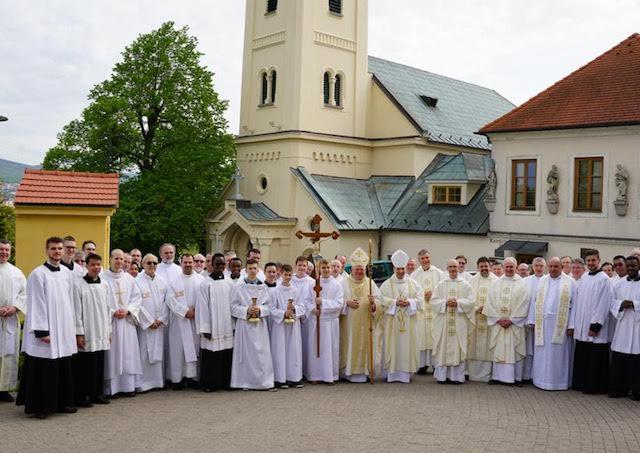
(315, 235)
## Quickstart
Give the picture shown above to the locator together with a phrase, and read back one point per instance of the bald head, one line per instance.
(117, 260)
(555, 267)
(453, 268)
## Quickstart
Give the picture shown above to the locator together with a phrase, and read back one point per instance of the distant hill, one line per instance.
(11, 172)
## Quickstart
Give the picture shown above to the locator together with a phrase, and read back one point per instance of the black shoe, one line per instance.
(517, 384)
(129, 394)
(441, 382)
(69, 410)
(635, 396)
(281, 385)
(6, 397)
(40, 415)
(193, 384)
(493, 382)
(102, 400)
(422, 371)
(177, 386)
(205, 390)
(84, 404)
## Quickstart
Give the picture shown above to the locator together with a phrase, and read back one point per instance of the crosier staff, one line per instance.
(371, 364)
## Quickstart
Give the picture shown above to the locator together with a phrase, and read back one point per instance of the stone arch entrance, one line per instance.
(236, 239)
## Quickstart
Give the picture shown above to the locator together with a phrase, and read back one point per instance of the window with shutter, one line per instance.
(274, 76)
(337, 91)
(325, 88)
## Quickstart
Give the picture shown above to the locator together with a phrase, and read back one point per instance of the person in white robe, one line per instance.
(168, 270)
(304, 285)
(69, 244)
(400, 298)
(453, 310)
(199, 264)
(254, 254)
(46, 383)
(462, 268)
(538, 265)
(235, 271)
(94, 309)
(322, 359)
(214, 324)
(590, 320)
(13, 298)
(479, 357)
(154, 316)
(625, 348)
(427, 276)
(362, 338)
(549, 315)
(122, 362)
(184, 341)
(507, 311)
(285, 335)
(252, 366)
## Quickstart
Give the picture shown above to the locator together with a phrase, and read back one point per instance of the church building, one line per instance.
(380, 150)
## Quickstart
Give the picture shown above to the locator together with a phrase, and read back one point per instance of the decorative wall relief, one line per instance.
(490, 197)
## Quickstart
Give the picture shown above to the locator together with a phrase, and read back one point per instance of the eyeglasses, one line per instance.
(69, 246)
(198, 261)
(151, 263)
(78, 261)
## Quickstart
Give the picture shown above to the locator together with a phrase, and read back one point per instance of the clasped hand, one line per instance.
(6, 311)
(402, 302)
(452, 302)
(504, 322)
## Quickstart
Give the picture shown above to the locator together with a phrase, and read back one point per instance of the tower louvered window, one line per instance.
(274, 76)
(326, 89)
(337, 91)
(335, 6)
(272, 6)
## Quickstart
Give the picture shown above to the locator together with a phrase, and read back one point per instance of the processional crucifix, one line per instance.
(315, 235)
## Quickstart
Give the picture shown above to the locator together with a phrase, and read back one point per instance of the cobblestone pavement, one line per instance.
(422, 416)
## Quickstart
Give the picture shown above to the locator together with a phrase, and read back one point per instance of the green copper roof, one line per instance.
(460, 108)
(258, 212)
(401, 202)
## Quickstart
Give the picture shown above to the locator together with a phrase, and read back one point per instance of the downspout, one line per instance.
(380, 243)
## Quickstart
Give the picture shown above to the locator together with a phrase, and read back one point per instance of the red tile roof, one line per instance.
(604, 92)
(68, 188)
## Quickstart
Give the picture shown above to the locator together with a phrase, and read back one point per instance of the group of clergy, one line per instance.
(94, 332)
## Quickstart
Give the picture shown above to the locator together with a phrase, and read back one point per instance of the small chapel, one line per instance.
(381, 151)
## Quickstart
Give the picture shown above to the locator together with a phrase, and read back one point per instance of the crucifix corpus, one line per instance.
(316, 236)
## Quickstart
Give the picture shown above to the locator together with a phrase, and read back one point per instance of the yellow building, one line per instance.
(325, 128)
(61, 203)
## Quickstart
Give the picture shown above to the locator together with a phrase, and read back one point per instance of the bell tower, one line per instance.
(305, 67)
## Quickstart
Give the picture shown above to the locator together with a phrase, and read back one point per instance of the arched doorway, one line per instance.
(237, 240)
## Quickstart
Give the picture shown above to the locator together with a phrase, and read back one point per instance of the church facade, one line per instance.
(380, 150)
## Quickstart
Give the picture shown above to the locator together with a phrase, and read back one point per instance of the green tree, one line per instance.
(158, 122)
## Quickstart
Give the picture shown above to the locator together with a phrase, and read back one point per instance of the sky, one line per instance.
(52, 52)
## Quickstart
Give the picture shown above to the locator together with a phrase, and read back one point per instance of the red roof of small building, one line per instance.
(604, 92)
(68, 188)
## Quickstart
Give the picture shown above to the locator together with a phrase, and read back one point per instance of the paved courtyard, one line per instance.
(422, 416)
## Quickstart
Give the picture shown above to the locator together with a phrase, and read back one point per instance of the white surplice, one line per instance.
(325, 367)
(94, 309)
(153, 307)
(252, 367)
(13, 293)
(50, 309)
(286, 337)
(184, 341)
(122, 360)
(626, 339)
(400, 350)
(552, 359)
(306, 295)
(594, 297)
(213, 314)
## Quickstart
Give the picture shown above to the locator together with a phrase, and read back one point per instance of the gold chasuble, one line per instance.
(508, 299)
(479, 332)
(428, 280)
(356, 337)
(450, 324)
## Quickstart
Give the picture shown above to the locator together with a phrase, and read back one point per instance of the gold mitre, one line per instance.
(359, 258)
